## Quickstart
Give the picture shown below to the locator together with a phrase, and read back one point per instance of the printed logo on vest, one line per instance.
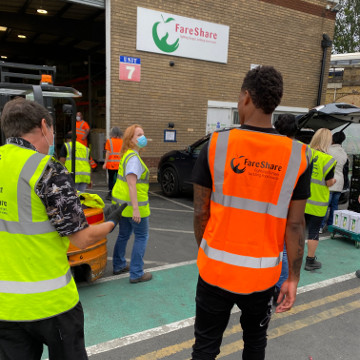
(239, 165)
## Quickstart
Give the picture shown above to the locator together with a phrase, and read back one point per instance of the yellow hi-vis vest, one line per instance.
(120, 192)
(82, 164)
(318, 202)
(35, 277)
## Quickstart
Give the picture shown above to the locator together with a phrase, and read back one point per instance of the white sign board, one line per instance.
(175, 35)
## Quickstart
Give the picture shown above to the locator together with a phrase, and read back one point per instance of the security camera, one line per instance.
(336, 8)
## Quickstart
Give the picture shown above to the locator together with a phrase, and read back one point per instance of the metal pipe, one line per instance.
(325, 43)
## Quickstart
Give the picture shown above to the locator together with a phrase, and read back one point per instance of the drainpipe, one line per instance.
(325, 43)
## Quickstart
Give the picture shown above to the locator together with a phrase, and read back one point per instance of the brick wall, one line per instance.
(284, 33)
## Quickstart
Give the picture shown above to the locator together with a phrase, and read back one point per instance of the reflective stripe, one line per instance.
(26, 228)
(119, 201)
(240, 260)
(123, 178)
(79, 129)
(23, 186)
(281, 209)
(20, 287)
(82, 173)
(318, 182)
(328, 165)
(318, 203)
(139, 181)
(24, 225)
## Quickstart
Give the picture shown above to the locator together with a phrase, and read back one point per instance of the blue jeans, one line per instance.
(333, 205)
(141, 232)
(284, 269)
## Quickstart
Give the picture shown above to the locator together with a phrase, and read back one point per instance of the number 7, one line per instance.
(131, 71)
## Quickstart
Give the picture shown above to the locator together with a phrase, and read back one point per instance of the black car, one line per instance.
(175, 167)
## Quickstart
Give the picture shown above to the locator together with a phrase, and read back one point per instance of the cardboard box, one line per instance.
(355, 223)
(345, 219)
(337, 218)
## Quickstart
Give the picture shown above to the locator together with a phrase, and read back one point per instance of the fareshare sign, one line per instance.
(170, 34)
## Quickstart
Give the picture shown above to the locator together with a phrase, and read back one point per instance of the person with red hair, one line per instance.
(132, 187)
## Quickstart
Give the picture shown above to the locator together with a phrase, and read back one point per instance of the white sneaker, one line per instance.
(321, 231)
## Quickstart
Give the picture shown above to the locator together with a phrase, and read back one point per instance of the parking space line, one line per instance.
(170, 200)
(293, 326)
(173, 230)
(163, 209)
(273, 332)
(165, 329)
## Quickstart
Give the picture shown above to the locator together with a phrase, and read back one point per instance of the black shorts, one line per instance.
(313, 224)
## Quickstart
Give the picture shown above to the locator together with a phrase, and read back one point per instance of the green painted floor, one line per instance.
(117, 308)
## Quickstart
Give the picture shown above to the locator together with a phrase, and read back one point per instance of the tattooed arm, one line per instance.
(295, 241)
(201, 210)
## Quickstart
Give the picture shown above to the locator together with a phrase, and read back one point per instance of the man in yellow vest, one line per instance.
(40, 213)
(250, 191)
(82, 162)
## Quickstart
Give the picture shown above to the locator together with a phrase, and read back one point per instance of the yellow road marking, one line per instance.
(294, 326)
(279, 331)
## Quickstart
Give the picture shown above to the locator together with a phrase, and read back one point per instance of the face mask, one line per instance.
(78, 118)
(51, 150)
(141, 141)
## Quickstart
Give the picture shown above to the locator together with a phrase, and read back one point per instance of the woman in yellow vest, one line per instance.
(132, 186)
(322, 177)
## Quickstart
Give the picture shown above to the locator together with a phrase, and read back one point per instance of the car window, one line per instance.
(197, 149)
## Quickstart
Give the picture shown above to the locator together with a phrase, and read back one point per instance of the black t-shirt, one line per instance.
(201, 173)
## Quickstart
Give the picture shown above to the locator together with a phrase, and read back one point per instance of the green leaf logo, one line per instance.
(162, 43)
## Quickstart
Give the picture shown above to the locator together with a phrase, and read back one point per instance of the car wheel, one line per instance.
(169, 182)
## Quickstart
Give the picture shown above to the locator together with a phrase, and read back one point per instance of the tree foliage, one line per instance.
(347, 28)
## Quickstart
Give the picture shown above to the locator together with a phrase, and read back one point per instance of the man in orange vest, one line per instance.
(82, 129)
(250, 191)
(112, 157)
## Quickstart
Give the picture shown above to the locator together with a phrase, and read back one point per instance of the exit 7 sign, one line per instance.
(129, 68)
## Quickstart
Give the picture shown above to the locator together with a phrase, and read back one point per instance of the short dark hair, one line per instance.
(338, 138)
(265, 86)
(21, 116)
(286, 124)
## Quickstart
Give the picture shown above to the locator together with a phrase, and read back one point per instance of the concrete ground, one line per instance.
(154, 320)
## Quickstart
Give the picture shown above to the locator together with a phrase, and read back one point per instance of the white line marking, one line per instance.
(165, 329)
(173, 201)
(173, 230)
(145, 261)
(163, 209)
(157, 268)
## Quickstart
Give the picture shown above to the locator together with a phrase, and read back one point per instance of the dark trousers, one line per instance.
(112, 178)
(213, 307)
(63, 334)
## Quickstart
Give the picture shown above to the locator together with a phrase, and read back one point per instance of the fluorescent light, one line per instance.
(42, 11)
(3, 56)
(21, 36)
(3, 28)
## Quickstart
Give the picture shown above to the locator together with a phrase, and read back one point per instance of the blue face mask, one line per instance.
(51, 150)
(141, 141)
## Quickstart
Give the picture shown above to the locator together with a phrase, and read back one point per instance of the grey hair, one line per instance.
(115, 132)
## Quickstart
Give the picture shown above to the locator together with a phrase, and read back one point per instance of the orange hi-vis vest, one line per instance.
(113, 145)
(253, 175)
(81, 127)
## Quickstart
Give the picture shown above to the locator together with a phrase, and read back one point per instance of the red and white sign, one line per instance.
(129, 69)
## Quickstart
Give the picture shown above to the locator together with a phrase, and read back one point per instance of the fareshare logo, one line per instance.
(240, 163)
(162, 43)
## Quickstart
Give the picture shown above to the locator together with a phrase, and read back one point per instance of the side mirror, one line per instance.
(67, 109)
